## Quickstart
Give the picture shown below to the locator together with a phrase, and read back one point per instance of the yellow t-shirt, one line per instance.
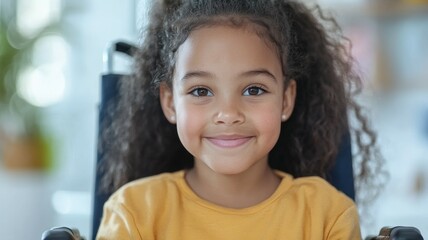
(164, 207)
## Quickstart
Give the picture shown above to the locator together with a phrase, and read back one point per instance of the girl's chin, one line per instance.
(228, 167)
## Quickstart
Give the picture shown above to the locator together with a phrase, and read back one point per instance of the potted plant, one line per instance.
(23, 143)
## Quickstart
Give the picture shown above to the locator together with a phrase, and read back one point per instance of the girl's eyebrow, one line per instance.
(258, 72)
(196, 74)
(251, 73)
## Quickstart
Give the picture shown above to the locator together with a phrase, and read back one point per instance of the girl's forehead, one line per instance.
(228, 37)
(227, 49)
(236, 24)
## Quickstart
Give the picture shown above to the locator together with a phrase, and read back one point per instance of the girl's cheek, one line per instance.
(190, 115)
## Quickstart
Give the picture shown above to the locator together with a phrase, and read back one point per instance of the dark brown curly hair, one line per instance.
(141, 142)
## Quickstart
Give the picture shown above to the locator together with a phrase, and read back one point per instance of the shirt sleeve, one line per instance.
(346, 226)
(117, 223)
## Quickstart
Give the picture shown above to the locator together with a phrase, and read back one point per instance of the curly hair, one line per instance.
(141, 142)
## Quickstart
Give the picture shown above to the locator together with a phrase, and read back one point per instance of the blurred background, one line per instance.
(51, 59)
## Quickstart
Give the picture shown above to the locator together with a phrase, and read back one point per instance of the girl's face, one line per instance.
(228, 98)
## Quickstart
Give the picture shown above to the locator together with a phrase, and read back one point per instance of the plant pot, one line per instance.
(27, 153)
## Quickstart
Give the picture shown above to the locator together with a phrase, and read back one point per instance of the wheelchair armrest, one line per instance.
(62, 233)
(397, 233)
(386, 233)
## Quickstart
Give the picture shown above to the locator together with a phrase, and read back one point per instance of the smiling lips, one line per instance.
(229, 141)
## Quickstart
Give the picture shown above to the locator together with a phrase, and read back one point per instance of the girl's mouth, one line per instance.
(229, 141)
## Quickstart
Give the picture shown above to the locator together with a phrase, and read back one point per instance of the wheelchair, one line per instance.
(340, 176)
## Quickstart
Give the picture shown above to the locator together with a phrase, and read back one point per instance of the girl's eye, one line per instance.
(254, 91)
(201, 92)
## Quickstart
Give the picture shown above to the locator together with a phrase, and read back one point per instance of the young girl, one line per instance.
(237, 108)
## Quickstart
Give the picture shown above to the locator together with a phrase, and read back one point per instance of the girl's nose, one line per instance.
(229, 113)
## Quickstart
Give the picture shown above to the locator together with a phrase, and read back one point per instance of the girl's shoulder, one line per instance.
(313, 189)
(154, 186)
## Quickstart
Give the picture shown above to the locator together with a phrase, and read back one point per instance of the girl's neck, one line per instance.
(233, 191)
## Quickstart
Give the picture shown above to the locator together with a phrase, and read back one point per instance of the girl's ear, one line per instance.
(288, 100)
(167, 102)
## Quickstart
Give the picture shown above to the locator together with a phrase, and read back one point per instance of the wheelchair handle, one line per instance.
(119, 46)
